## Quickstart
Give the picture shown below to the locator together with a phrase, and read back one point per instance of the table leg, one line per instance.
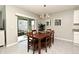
(39, 45)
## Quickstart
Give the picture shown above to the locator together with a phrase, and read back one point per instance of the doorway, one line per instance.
(24, 25)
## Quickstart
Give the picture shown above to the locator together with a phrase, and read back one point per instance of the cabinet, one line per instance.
(2, 37)
(76, 16)
(76, 26)
(76, 37)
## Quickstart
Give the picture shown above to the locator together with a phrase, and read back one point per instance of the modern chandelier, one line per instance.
(45, 15)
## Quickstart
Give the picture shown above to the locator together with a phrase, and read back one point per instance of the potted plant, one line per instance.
(41, 27)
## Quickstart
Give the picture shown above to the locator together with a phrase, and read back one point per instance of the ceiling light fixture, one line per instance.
(44, 5)
(45, 15)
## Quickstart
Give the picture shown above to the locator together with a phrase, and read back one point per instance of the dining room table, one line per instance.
(39, 37)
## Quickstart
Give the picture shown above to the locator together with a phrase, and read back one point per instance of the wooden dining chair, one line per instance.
(48, 31)
(44, 43)
(35, 42)
(52, 36)
(32, 42)
(34, 31)
(49, 39)
(47, 42)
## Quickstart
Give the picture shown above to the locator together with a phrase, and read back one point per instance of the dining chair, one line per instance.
(52, 36)
(32, 43)
(34, 31)
(48, 31)
(49, 39)
(47, 42)
(35, 42)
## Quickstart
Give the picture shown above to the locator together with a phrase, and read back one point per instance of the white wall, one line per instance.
(11, 22)
(65, 30)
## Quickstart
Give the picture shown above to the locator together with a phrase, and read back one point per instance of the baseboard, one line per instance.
(63, 39)
(11, 44)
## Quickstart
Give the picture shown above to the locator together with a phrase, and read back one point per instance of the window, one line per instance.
(33, 24)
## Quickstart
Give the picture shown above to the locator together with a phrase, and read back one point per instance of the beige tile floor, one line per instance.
(59, 47)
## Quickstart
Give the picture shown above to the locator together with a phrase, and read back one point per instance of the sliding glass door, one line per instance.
(24, 25)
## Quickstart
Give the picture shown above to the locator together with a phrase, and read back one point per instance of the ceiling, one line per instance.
(49, 9)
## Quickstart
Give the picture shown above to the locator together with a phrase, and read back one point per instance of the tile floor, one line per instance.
(59, 47)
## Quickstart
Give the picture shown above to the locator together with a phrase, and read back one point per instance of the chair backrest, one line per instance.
(34, 31)
(48, 30)
(52, 31)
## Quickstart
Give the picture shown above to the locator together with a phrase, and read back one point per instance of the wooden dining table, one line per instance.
(39, 37)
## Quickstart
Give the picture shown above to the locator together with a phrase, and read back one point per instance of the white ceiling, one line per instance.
(40, 9)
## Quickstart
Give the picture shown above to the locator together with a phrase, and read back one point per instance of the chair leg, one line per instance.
(46, 45)
(28, 49)
(33, 51)
(50, 43)
(33, 47)
(53, 40)
(28, 46)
